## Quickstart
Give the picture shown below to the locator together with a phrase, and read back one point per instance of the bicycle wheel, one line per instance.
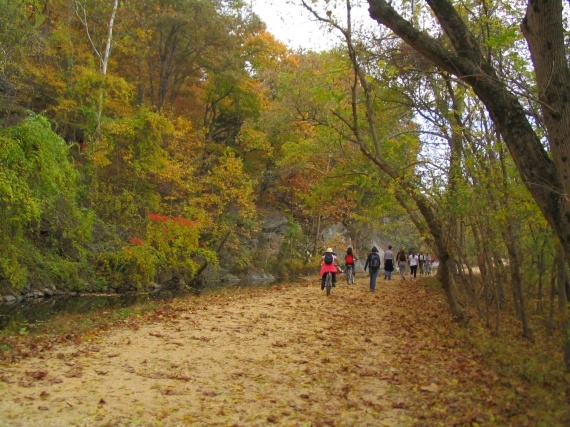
(328, 283)
(349, 277)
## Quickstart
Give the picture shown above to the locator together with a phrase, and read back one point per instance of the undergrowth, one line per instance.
(530, 373)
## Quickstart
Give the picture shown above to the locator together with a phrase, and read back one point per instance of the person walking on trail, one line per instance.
(349, 260)
(413, 260)
(388, 263)
(428, 264)
(329, 264)
(421, 263)
(402, 262)
(373, 263)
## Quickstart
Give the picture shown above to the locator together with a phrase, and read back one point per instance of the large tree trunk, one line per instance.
(543, 29)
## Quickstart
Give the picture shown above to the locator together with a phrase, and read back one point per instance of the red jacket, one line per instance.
(325, 268)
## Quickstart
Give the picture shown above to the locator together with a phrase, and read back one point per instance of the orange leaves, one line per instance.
(136, 241)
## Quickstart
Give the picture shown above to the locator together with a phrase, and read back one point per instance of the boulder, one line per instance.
(9, 299)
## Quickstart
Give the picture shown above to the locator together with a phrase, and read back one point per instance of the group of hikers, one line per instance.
(421, 261)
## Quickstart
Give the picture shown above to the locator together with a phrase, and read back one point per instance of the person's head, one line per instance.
(349, 250)
(389, 247)
(374, 249)
(330, 250)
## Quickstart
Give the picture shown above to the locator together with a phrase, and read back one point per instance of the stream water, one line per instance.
(30, 314)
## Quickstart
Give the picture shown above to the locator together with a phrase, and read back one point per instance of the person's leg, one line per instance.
(373, 276)
(334, 279)
(323, 281)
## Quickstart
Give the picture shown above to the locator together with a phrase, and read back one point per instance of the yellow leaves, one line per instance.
(251, 139)
(100, 159)
(230, 185)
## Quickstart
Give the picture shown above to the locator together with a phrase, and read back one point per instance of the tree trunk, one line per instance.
(562, 278)
(103, 56)
(516, 283)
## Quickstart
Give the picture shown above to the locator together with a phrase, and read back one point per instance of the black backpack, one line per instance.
(374, 261)
(329, 258)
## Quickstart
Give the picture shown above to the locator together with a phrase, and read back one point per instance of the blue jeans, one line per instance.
(387, 274)
(373, 275)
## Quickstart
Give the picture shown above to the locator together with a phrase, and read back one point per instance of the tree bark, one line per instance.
(561, 279)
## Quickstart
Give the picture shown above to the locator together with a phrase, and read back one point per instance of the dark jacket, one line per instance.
(368, 259)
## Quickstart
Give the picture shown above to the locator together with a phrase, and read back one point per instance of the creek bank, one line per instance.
(35, 309)
(221, 278)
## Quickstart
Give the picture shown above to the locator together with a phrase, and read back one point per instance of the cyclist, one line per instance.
(329, 264)
(349, 260)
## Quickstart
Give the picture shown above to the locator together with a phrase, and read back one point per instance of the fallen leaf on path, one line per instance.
(38, 375)
(433, 388)
(74, 373)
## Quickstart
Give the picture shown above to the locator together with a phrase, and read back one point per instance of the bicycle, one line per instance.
(328, 283)
(349, 274)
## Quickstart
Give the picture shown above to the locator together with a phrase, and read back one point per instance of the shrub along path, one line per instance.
(283, 355)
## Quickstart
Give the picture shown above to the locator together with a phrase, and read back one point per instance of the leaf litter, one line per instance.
(279, 355)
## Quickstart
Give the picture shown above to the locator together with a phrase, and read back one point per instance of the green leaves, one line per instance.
(38, 196)
(35, 168)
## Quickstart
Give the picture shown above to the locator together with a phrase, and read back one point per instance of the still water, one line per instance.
(32, 313)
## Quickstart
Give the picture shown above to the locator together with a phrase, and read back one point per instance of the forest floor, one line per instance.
(279, 355)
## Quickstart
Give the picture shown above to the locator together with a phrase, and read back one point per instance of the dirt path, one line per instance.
(284, 355)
